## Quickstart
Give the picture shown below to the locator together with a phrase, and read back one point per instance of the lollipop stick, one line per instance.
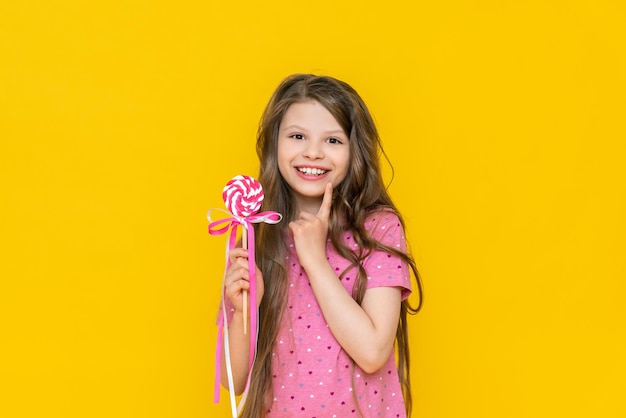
(244, 244)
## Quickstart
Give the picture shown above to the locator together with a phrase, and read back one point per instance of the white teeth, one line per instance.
(311, 171)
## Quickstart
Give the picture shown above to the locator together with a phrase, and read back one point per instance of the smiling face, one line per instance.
(313, 150)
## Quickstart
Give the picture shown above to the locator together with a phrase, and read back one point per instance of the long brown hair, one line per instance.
(359, 194)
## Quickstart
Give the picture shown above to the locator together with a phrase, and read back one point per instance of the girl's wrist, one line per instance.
(309, 263)
(312, 259)
(237, 317)
(317, 269)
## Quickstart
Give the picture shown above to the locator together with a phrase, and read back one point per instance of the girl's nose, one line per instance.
(313, 150)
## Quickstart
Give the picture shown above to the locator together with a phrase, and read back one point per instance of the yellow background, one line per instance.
(121, 121)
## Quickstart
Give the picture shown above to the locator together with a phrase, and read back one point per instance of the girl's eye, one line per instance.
(297, 136)
(333, 140)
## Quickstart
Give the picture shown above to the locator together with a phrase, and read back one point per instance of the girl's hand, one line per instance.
(310, 232)
(238, 279)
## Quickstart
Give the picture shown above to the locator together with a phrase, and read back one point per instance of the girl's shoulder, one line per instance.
(382, 222)
(381, 215)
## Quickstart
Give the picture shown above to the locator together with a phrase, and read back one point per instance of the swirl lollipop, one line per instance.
(243, 196)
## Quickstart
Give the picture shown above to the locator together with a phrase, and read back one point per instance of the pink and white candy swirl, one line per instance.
(243, 195)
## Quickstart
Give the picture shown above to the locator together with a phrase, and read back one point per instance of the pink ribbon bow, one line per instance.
(220, 227)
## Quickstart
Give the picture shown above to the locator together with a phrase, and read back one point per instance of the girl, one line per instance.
(333, 277)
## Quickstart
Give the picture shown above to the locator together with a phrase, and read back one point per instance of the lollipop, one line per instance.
(243, 196)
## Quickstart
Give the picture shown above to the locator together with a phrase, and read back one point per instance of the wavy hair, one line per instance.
(361, 193)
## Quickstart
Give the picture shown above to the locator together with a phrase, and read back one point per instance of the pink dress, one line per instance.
(312, 375)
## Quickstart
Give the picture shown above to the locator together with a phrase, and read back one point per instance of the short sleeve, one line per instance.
(384, 269)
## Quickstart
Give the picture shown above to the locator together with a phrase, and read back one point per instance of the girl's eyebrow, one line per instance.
(334, 131)
(292, 127)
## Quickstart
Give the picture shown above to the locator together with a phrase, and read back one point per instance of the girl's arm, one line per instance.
(236, 281)
(367, 332)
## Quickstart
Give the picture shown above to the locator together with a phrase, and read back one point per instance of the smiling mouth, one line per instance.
(311, 171)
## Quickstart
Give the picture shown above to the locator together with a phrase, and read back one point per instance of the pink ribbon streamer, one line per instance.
(220, 227)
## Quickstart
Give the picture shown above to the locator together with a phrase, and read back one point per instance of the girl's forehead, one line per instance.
(311, 113)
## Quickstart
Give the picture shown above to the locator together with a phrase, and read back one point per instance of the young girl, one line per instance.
(333, 277)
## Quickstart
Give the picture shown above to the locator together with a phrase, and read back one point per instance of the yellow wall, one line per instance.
(121, 121)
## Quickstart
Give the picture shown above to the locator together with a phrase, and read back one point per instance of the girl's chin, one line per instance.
(309, 196)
